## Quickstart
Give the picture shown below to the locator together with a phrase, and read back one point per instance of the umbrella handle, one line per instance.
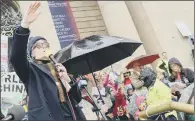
(98, 88)
(94, 79)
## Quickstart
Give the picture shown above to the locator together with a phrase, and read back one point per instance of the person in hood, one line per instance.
(180, 77)
(178, 73)
(52, 96)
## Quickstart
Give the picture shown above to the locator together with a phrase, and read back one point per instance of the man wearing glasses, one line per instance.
(51, 95)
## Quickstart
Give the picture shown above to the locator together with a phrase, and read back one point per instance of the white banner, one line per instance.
(12, 91)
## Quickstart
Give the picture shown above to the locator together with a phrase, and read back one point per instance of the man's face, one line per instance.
(39, 48)
(137, 66)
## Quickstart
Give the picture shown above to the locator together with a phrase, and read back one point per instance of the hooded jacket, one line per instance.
(185, 72)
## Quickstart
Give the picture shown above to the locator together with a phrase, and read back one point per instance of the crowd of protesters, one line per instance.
(134, 90)
(142, 87)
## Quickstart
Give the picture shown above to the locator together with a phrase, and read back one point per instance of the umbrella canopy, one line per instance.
(143, 60)
(95, 53)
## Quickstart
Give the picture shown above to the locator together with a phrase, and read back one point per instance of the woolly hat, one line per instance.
(31, 42)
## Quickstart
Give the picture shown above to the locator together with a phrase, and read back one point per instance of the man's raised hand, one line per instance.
(31, 14)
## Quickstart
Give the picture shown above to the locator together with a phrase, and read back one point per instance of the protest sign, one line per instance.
(12, 91)
(11, 85)
(64, 22)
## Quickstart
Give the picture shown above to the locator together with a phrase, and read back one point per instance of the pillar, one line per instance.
(144, 28)
(119, 23)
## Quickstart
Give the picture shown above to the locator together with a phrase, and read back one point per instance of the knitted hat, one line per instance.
(31, 42)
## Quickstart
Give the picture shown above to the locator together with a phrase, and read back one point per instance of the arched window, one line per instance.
(10, 16)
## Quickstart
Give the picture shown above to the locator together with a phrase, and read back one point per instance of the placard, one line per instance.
(11, 86)
(64, 22)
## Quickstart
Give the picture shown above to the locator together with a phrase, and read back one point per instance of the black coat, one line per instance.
(44, 103)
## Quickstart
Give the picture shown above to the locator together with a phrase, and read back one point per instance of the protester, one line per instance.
(140, 104)
(127, 81)
(119, 109)
(130, 92)
(163, 65)
(109, 82)
(138, 84)
(139, 89)
(49, 98)
(180, 77)
(178, 73)
(135, 81)
(157, 92)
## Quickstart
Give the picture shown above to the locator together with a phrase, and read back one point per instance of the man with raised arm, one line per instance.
(51, 95)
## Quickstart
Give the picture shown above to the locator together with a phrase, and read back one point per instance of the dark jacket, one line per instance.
(185, 72)
(44, 103)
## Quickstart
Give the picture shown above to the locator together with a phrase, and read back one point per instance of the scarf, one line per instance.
(51, 68)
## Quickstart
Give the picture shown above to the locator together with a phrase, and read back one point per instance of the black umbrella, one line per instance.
(95, 53)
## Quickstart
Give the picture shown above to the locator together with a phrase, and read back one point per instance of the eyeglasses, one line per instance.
(173, 65)
(41, 45)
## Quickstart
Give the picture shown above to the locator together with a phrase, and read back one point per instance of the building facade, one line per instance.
(150, 22)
